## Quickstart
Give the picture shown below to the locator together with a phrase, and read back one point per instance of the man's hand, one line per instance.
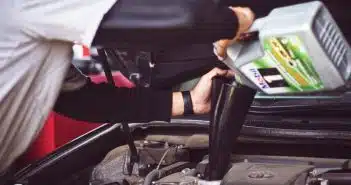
(245, 19)
(201, 94)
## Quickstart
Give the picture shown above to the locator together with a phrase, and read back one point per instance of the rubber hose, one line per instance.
(151, 176)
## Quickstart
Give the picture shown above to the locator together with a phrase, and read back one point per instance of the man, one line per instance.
(36, 38)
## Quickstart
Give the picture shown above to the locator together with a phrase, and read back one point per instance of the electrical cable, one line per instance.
(163, 157)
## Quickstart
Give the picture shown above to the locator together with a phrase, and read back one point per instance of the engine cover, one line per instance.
(246, 173)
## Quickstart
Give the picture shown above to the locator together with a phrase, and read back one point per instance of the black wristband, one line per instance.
(188, 103)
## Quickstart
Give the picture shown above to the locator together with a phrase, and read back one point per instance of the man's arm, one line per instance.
(160, 22)
(84, 100)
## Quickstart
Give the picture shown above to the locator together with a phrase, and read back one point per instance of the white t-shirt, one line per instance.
(36, 38)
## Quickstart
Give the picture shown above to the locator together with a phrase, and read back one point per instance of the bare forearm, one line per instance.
(177, 104)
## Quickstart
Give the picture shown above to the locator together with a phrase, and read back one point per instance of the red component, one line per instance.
(43, 145)
(86, 51)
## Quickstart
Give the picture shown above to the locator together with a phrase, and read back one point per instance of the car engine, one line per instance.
(170, 160)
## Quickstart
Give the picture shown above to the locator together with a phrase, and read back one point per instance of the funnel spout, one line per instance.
(230, 104)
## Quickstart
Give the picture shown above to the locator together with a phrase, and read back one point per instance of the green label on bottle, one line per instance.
(285, 67)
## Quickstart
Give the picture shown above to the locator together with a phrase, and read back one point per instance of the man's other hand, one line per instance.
(245, 19)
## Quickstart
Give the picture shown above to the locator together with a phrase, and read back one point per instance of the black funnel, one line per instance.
(230, 104)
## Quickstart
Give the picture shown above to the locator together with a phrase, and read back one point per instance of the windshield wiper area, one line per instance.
(304, 105)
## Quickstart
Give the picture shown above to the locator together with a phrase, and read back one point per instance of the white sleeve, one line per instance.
(67, 20)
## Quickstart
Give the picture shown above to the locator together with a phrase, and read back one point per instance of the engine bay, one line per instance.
(175, 160)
